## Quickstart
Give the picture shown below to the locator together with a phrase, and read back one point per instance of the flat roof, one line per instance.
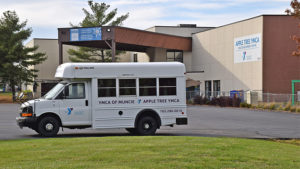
(181, 27)
(129, 39)
(243, 21)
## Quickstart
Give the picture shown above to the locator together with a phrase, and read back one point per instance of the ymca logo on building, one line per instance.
(247, 48)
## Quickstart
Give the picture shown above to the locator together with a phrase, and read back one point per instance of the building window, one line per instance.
(106, 87)
(167, 86)
(208, 88)
(217, 87)
(127, 87)
(174, 56)
(135, 57)
(147, 87)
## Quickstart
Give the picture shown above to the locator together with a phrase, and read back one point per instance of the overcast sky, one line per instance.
(45, 16)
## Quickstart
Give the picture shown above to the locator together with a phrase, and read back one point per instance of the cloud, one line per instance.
(139, 2)
(47, 13)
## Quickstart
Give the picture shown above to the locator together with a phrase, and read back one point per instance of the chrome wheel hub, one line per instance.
(49, 126)
(146, 126)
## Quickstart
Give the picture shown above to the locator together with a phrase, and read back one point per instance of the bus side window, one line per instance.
(167, 86)
(147, 86)
(106, 87)
(127, 87)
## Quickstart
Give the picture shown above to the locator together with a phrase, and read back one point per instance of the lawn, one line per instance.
(5, 97)
(148, 152)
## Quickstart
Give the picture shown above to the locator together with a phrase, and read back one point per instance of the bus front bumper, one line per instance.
(26, 121)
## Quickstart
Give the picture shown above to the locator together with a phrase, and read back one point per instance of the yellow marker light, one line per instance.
(26, 114)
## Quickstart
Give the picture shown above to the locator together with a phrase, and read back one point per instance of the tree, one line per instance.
(14, 57)
(99, 16)
(295, 11)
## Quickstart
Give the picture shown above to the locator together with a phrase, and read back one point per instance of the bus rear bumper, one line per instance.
(181, 121)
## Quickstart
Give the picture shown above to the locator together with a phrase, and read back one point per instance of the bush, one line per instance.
(224, 101)
(298, 110)
(293, 109)
(200, 100)
(280, 107)
(236, 102)
(27, 91)
(246, 105)
(287, 107)
(272, 106)
(266, 106)
(189, 102)
(260, 106)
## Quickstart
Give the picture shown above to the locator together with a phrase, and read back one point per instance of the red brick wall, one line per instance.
(279, 66)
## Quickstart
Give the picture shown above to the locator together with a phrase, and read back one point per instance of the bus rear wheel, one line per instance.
(146, 125)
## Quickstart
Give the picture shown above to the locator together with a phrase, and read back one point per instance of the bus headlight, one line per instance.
(27, 112)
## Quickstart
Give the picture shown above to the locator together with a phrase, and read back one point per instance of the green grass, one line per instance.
(5, 94)
(148, 152)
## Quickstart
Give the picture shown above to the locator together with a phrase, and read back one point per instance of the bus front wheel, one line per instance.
(48, 126)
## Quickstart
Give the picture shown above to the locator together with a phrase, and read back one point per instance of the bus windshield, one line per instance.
(54, 91)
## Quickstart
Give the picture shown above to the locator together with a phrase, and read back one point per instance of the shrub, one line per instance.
(27, 91)
(280, 107)
(272, 106)
(266, 106)
(236, 102)
(243, 104)
(260, 106)
(298, 110)
(189, 101)
(200, 100)
(214, 101)
(246, 105)
(287, 107)
(293, 109)
(223, 101)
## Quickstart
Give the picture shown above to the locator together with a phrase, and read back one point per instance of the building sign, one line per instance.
(247, 48)
(85, 34)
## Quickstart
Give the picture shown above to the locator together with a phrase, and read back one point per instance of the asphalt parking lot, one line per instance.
(203, 121)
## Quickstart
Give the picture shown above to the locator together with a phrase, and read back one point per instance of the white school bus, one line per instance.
(139, 97)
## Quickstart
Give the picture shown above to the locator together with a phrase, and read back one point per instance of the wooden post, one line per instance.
(60, 55)
(113, 50)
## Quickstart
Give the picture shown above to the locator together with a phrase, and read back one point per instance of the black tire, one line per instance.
(48, 126)
(146, 126)
(131, 130)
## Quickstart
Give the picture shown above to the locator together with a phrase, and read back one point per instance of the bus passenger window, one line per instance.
(127, 87)
(167, 86)
(106, 87)
(147, 86)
